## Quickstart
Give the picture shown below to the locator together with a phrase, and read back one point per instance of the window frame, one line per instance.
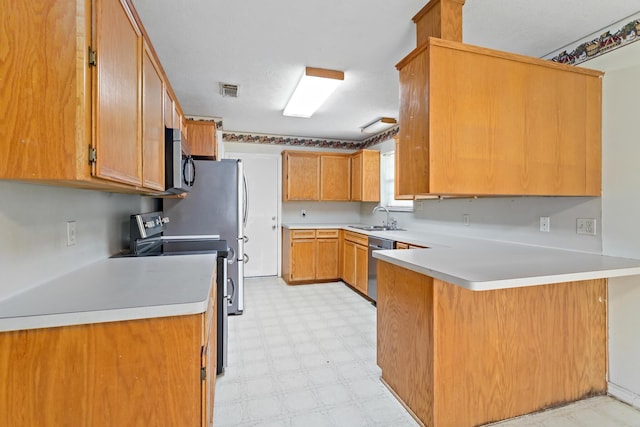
(387, 185)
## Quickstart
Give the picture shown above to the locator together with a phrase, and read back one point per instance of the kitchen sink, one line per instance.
(375, 228)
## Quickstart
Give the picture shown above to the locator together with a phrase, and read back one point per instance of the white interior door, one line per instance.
(263, 223)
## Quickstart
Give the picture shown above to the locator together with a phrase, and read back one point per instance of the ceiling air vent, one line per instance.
(229, 90)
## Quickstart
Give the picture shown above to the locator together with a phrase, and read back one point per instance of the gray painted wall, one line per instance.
(621, 211)
(33, 230)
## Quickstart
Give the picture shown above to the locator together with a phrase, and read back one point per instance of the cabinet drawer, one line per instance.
(303, 234)
(361, 239)
(402, 245)
(327, 234)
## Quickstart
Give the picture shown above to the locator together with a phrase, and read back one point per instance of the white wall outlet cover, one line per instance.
(545, 224)
(586, 226)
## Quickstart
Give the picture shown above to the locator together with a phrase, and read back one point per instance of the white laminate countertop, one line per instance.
(480, 265)
(115, 289)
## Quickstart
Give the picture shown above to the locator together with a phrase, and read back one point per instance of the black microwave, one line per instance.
(180, 169)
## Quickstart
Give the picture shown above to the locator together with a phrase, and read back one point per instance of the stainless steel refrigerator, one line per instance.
(216, 204)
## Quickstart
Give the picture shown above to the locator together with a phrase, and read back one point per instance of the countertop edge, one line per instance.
(510, 282)
(100, 316)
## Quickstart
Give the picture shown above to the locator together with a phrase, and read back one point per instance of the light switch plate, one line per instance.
(71, 233)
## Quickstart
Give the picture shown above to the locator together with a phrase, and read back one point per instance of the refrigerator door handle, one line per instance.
(245, 213)
(245, 259)
(232, 295)
(245, 239)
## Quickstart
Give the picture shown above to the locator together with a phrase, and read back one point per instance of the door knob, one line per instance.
(274, 226)
(273, 218)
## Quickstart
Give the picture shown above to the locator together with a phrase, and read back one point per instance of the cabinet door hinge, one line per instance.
(93, 155)
(93, 57)
(203, 373)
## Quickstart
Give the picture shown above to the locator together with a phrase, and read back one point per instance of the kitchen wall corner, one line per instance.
(33, 221)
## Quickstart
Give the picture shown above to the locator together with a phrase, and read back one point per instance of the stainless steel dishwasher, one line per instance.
(376, 243)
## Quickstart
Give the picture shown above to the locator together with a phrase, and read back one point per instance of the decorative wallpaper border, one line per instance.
(308, 142)
(617, 35)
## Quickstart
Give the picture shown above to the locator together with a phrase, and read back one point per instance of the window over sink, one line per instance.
(387, 185)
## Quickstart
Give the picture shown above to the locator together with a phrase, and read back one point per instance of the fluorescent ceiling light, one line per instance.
(379, 125)
(313, 89)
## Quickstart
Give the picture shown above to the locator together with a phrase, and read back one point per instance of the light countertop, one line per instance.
(479, 264)
(115, 289)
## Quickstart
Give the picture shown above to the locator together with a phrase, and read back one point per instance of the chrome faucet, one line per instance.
(380, 207)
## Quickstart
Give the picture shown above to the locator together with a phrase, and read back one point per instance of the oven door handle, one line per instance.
(232, 256)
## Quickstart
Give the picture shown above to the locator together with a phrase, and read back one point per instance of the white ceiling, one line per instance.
(263, 46)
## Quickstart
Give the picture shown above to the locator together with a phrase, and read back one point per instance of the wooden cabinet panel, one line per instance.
(117, 106)
(303, 259)
(209, 360)
(81, 123)
(365, 176)
(402, 245)
(152, 121)
(335, 171)
(362, 262)
(40, 114)
(310, 255)
(330, 176)
(169, 109)
(202, 138)
(139, 372)
(355, 260)
(327, 252)
(327, 234)
(349, 263)
(439, 18)
(453, 338)
(515, 126)
(301, 176)
(356, 176)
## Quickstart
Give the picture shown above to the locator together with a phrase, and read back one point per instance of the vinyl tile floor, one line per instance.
(305, 356)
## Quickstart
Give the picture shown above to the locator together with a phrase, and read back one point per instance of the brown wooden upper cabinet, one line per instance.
(335, 172)
(301, 175)
(329, 176)
(365, 176)
(476, 121)
(153, 122)
(92, 119)
(202, 138)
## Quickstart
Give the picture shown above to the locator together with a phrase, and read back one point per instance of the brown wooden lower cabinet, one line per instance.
(403, 245)
(459, 358)
(355, 260)
(310, 255)
(129, 373)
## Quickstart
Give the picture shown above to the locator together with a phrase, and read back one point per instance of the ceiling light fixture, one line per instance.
(379, 125)
(315, 86)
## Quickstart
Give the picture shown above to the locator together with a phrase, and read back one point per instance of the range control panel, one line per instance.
(146, 225)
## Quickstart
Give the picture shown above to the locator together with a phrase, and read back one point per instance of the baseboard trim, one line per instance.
(623, 394)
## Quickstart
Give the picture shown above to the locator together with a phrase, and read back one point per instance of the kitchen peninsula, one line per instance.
(484, 331)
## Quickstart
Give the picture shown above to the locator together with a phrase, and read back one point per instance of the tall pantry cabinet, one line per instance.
(80, 105)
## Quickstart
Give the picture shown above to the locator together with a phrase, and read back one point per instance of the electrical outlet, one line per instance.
(466, 219)
(545, 224)
(303, 213)
(71, 233)
(586, 226)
